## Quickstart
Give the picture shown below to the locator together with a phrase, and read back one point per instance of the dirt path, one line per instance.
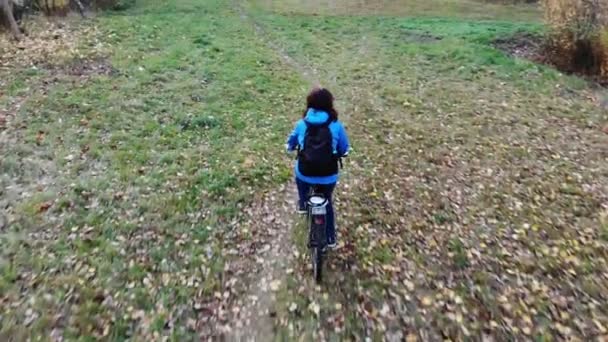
(263, 269)
(271, 244)
(261, 262)
(307, 72)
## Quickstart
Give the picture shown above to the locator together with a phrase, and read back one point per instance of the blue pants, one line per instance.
(327, 190)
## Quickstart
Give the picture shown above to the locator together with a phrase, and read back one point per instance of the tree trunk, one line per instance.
(7, 9)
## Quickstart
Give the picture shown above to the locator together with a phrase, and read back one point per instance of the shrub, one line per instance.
(578, 38)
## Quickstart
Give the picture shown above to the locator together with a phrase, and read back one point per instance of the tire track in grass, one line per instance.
(261, 260)
(266, 267)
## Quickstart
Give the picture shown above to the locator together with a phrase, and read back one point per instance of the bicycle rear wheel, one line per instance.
(317, 263)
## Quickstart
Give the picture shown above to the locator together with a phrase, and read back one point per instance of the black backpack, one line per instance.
(317, 159)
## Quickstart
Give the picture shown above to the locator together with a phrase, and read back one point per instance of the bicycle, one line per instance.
(316, 218)
(317, 224)
(316, 221)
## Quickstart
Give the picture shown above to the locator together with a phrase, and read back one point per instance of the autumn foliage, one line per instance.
(578, 40)
(54, 7)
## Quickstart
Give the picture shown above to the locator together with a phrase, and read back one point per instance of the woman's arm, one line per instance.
(343, 142)
(292, 140)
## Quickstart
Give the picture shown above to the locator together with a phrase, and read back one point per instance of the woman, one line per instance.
(321, 140)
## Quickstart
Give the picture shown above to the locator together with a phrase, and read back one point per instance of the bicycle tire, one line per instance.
(317, 263)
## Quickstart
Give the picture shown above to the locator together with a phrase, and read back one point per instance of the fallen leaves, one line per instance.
(315, 308)
(49, 42)
(3, 121)
(275, 284)
(472, 212)
(427, 301)
(44, 206)
(40, 137)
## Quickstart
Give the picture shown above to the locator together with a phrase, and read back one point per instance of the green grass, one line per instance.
(472, 203)
(147, 164)
(405, 8)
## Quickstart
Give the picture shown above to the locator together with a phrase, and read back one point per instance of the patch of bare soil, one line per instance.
(263, 263)
(523, 45)
(259, 253)
(420, 37)
(84, 67)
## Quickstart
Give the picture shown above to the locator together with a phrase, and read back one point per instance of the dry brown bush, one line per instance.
(578, 39)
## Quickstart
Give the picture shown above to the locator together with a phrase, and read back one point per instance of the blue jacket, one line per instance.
(340, 142)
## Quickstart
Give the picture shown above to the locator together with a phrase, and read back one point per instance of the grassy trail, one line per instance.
(146, 196)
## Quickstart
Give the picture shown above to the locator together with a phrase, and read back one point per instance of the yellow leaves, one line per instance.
(600, 327)
(137, 315)
(408, 285)
(563, 330)
(275, 284)
(191, 324)
(315, 308)
(390, 268)
(248, 162)
(411, 337)
(573, 259)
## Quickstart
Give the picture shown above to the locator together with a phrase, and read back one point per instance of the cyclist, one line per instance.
(321, 141)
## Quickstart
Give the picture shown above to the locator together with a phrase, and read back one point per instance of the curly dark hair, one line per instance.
(321, 99)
